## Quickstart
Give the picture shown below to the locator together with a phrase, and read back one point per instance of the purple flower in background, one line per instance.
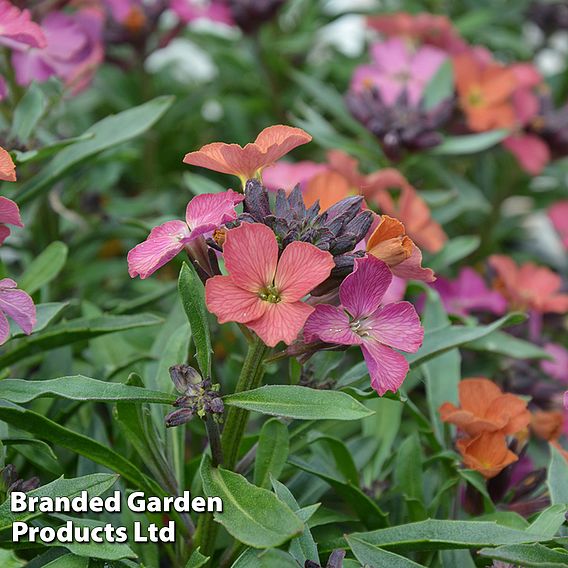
(18, 305)
(468, 293)
(9, 215)
(17, 26)
(190, 10)
(362, 320)
(558, 367)
(398, 67)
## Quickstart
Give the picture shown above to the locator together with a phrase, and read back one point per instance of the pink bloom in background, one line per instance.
(17, 26)
(204, 214)
(558, 214)
(362, 320)
(74, 50)
(287, 175)
(558, 367)
(397, 67)
(213, 10)
(262, 291)
(532, 153)
(17, 305)
(468, 293)
(9, 215)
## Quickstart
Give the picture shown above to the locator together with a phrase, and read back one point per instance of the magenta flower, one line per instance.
(362, 320)
(204, 213)
(397, 67)
(18, 305)
(213, 10)
(468, 293)
(558, 214)
(262, 291)
(9, 215)
(558, 367)
(17, 26)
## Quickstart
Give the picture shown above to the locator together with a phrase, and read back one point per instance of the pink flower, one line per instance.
(532, 153)
(287, 175)
(9, 215)
(214, 10)
(397, 67)
(558, 367)
(16, 26)
(204, 214)
(468, 293)
(262, 291)
(558, 214)
(362, 320)
(18, 305)
(7, 166)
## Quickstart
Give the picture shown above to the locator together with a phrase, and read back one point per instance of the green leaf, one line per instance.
(44, 268)
(95, 484)
(508, 345)
(45, 314)
(454, 250)
(441, 340)
(68, 561)
(107, 133)
(557, 477)
(272, 558)
(528, 555)
(254, 516)
(192, 294)
(550, 520)
(272, 452)
(408, 475)
(470, 144)
(37, 452)
(72, 331)
(341, 455)
(49, 149)
(303, 547)
(199, 184)
(78, 388)
(300, 403)
(371, 555)
(434, 534)
(440, 87)
(29, 111)
(197, 560)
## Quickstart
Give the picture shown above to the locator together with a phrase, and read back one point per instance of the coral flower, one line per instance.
(17, 26)
(248, 162)
(485, 408)
(548, 425)
(262, 291)
(362, 320)
(7, 167)
(485, 92)
(487, 453)
(204, 214)
(529, 286)
(18, 305)
(558, 214)
(390, 244)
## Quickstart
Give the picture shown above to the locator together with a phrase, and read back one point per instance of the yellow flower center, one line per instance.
(270, 294)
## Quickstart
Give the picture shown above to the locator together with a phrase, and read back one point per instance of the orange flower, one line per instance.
(547, 425)
(529, 286)
(484, 408)
(7, 167)
(411, 209)
(485, 92)
(487, 453)
(248, 162)
(328, 187)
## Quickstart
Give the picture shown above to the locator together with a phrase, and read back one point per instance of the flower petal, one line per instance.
(211, 157)
(4, 329)
(328, 188)
(229, 302)
(397, 325)
(18, 305)
(330, 324)
(9, 212)
(276, 141)
(208, 211)
(7, 167)
(301, 268)
(362, 291)
(251, 255)
(387, 368)
(163, 244)
(411, 268)
(281, 322)
(17, 25)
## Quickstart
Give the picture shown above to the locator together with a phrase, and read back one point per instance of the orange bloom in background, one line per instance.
(410, 208)
(328, 187)
(7, 166)
(529, 286)
(487, 453)
(547, 425)
(485, 408)
(485, 92)
(248, 162)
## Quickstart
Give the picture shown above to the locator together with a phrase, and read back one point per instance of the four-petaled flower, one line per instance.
(18, 305)
(262, 291)
(248, 162)
(362, 320)
(204, 214)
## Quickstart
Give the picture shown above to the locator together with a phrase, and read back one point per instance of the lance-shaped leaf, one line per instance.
(272, 452)
(528, 556)
(44, 268)
(370, 555)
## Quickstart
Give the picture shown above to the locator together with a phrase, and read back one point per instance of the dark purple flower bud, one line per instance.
(184, 377)
(256, 202)
(360, 225)
(336, 559)
(216, 406)
(178, 417)
(249, 15)
(549, 16)
(30, 484)
(9, 475)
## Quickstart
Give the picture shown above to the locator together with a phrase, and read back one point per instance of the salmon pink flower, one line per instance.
(17, 26)
(529, 286)
(287, 175)
(248, 162)
(362, 320)
(7, 167)
(262, 291)
(18, 305)
(558, 214)
(204, 214)
(485, 408)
